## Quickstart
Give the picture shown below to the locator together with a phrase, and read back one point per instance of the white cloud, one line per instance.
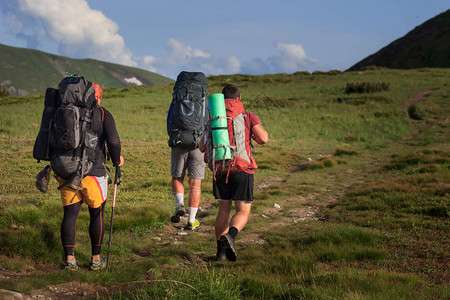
(182, 57)
(80, 31)
(234, 65)
(291, 58)
(293, 51)
(182, 53)
(14, 22)
(83, 32)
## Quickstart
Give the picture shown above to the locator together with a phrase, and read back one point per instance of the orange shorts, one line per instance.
(94, 191)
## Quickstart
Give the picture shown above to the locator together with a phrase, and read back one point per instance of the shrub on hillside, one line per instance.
(3, 92)
(333, 72)
(366, 87)
(373, 68)
(427, 160)
(352, 101)
(340, 151)
(323, 162)
(301, 73)
(415, 113)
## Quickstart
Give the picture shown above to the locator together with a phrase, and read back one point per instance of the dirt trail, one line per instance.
(416, 98)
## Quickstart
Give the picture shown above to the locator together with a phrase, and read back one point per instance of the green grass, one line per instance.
(363, 192)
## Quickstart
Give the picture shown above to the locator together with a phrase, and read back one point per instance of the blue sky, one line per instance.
(216, 37)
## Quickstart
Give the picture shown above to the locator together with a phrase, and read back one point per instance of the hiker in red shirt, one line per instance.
(237, 186)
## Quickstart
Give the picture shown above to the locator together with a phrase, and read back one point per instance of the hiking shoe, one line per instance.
(42, 179)
(230, 250)
(221, 256)
(97, 265)
(192, 225)
(177, 214)
(69, 266)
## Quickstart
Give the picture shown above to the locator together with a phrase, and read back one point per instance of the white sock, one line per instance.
(72, 261)
(192, 213)
(179, 198)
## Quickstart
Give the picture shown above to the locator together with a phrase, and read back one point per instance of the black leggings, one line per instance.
(96, 227)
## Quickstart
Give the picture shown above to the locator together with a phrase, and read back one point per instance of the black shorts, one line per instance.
(238, 188)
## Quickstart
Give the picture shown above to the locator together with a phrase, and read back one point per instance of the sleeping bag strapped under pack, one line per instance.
(41, 149)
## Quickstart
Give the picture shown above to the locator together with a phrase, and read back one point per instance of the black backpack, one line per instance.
(186, 119)
(65, 137)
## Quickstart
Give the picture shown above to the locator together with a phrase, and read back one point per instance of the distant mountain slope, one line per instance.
(26, 71)
(427, 45)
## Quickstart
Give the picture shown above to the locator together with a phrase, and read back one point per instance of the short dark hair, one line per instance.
(231, 92)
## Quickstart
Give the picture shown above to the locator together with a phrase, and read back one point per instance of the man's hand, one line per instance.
(121, 161)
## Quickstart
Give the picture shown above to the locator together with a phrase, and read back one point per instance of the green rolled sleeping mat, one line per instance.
(220, 137)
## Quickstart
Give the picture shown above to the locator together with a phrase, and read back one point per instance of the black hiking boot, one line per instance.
(230, 250)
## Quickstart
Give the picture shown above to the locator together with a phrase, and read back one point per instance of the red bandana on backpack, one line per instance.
(240, 143)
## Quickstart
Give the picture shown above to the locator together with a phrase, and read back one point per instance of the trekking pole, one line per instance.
(116, 183)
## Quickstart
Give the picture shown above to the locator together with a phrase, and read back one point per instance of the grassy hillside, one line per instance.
(426, 46)
(25, 71)
(360, 179)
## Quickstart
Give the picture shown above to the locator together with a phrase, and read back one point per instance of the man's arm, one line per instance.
(259, 134)
(112, 139)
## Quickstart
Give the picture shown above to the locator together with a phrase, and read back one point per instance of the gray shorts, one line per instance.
(192, 160)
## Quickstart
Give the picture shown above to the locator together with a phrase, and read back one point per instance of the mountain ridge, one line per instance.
(426, 46)
(27, 71)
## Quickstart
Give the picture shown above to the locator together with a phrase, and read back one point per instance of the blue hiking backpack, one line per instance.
(186, 118)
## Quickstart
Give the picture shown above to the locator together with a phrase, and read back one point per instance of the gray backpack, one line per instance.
(65, 137)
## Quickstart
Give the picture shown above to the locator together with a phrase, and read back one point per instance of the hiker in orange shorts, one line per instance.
(93, 192)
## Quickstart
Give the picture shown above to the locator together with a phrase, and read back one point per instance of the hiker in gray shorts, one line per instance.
(192, 160)
(185, 124)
